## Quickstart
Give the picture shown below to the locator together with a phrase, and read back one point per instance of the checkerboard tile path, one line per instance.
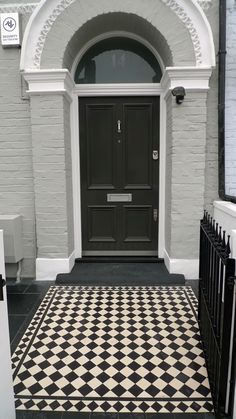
(113, 349)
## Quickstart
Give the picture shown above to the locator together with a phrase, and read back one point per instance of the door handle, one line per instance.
(2, 284)
(155, 215)
(119, 126)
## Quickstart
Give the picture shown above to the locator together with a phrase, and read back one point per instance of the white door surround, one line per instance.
(60, 82)
(105, 91)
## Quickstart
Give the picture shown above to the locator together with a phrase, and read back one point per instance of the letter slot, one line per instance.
(119, 197)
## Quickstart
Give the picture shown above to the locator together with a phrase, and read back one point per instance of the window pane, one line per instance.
(118, 60)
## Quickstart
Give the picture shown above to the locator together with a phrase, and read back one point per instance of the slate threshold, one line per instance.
(120, 273)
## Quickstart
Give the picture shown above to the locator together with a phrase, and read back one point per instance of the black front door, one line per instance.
(119, 140)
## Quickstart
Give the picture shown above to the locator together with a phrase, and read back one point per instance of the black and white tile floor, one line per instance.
(111, 350)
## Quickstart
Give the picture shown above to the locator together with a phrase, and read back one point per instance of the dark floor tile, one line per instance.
(16, 288)
(11, 280)
(15, 324)
(47, 415)
(75, 415)
(39, 287)
(21, 303)
(162, 416)
(21, 414)
(132, 416)
(29, 414)
(105, 416)
(209, 416)
(190, 416)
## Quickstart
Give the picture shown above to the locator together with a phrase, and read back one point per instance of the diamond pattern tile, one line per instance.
(113, 349)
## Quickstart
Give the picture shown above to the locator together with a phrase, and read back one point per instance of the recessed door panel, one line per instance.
(100, 133)
(137, 223)
(102, 223)
(119, 176)
(137, 152)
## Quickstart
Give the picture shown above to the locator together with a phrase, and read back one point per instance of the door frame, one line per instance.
(106, 90)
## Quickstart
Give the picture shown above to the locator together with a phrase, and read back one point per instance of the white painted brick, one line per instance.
(186, 160)
(230, 120)
(52, 175)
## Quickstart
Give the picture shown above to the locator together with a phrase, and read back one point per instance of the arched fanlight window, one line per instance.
(118, 60)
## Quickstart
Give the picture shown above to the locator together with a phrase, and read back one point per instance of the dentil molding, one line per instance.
(61, 6)
(183, 16)
(172, 4)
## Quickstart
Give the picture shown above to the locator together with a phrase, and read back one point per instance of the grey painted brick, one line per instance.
(52, 176)
(211, 172)
(185, 177)
(16, 176)
(230, 119)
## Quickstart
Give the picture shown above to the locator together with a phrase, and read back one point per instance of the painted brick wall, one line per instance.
(16, 177)
(230, 115)
(186, 161)
(211, 171)
(52, 175)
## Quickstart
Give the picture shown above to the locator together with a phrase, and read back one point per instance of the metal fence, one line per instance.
(217, 292)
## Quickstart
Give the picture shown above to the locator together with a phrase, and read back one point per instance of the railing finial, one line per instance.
(228, 250)
(223, 240)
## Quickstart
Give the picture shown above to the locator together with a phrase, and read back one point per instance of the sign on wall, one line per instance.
(10, 29)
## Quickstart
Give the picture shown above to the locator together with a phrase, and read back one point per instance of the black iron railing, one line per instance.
(217, 310)
(2, 283)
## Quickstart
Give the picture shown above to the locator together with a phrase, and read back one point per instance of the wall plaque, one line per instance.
(10, 29)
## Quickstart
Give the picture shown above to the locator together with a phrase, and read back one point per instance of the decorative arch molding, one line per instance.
(189, 12)
(29, 8)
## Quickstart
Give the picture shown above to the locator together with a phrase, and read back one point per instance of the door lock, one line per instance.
(155, 155)
(2, 283)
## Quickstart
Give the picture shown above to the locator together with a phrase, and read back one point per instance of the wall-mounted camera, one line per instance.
(179, 93)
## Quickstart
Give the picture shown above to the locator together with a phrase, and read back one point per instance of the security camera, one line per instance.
(179, 93)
